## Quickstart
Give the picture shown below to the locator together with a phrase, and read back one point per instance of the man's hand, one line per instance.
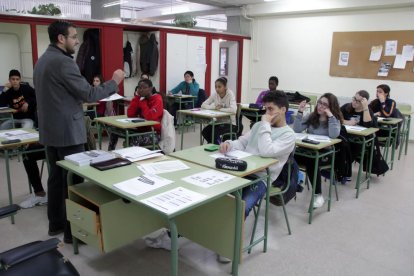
(224, 147)
(364, 103)
(24, 107)
(268, 118)
(118, 76)
(219, 106)
(8, 85)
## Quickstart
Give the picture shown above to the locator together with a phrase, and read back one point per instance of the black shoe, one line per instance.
(68, 240)
(55, 232)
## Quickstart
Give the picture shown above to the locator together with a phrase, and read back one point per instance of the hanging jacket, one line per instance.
(128, 59)
(149, 54)
(89, 56)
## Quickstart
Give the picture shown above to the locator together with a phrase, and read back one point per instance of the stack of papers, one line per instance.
(173, 200)
(134, 154)
(88, 157)
(163, 167)
(143, 184)
(113, 97)
(18, 134)
(314, 137)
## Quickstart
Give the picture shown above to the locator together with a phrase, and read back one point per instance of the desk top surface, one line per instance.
(199, 156)
(21, 143)
(7, 110)
(112, 121)
(107, 179)
(180, 96)
(90, 104)
(389, 121)
(365, 132)
(205, 113)
(319, 146)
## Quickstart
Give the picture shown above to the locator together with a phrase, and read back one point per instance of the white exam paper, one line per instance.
(137, 153)
(237, 154)
(12, 133)
(113, 97)
(135, 186)
(173, 200)
(208, 178)
(127, 120)
(355, 128)
(25, 136)
(163, 167)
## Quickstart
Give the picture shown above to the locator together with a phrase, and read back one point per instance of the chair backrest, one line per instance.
(167, 141)
(404, 108)
(90, 137)
(201, 98)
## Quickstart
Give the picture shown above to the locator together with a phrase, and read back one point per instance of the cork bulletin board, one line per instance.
(359, 44)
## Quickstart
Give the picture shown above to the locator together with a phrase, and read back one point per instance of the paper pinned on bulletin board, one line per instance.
(376, 52)
(399, 62)
(391, 47)
(343, 58)
(408, 52)
(384, 69)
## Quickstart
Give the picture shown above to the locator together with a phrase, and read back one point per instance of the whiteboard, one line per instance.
(185, 53)
(9, 55)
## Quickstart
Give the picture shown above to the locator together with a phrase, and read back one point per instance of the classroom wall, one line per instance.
(16, 51)
(297, 49)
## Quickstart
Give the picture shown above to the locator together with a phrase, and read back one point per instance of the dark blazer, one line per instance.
(60, 92)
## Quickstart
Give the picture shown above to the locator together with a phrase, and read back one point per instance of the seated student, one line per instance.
(145, 76)
(222, 100)
(358, 113)
(273, 83)
(271, 137)
(20, 97)
(324, 120)
(145, 105)
(383, 106)
(103, 108)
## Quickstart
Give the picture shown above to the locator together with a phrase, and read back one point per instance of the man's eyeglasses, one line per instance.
(326, 105)
(72, 36)
(355, 100)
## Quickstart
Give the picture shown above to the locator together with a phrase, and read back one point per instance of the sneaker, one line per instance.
(222, 259)
(33, 200)
(318, 201)
(163, 240)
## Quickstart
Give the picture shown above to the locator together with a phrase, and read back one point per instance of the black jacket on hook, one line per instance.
(149, 54)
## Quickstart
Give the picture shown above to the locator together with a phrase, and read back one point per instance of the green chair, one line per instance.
(234, 135)
(273, 192)
(405, 110)
(313, 99)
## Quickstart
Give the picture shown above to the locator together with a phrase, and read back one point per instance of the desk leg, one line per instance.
(313, 187)
(99, 126)
(174, 247)
(69, 180)
(332, 179)
(6, 159)
(213, 126)
(267, 210)
(181, 128)
(408, 133)
(394, 145)
(153, 138)
(126, 138)
(361, 164)
(370, 161)
(237, 237)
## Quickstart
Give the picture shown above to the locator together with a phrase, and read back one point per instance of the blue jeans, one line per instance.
(252, 194)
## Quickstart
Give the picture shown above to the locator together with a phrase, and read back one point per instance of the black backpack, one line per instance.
(282, 181)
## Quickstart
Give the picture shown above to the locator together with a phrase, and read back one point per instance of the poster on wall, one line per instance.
(384, 69)
(408, 52)
(391, 48)
(343, 58)
(376, 52)
(399, 62)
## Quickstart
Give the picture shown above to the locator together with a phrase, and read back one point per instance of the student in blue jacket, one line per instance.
(187, 87)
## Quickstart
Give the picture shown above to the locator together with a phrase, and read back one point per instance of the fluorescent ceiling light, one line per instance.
(110, 4)
(269, 0)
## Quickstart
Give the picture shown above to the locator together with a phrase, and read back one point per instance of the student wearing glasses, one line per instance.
(325, 120)
(358, 112)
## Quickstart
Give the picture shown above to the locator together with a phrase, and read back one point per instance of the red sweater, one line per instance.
(149, 109)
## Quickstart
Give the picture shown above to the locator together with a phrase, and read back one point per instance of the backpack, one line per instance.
(343, 156)
(167, 140)
(379, 165)
(201, 98)
(282, 181)
(296, 97)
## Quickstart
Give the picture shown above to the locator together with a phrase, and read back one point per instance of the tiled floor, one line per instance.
(372, 235)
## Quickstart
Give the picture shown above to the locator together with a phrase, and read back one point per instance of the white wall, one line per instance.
(297, 49)
(131, 83)
(16, 53)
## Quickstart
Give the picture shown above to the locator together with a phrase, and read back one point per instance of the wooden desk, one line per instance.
(314, 152)
(122, 129)
(252, 113)
(7, 111)
(93, 105)
(210, 115)
(10, 150)
(405, 110)
(182, 99)
(255, 164)
(215, 221)
(391, 126)
(365, 138)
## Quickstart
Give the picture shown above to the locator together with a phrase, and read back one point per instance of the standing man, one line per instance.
(20, 97)
(60, 91)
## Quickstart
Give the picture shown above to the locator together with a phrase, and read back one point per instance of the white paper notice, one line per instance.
(391, 47)
(12, 133)
(163, 167)
(343, 58)
(208, 178)
(113, 97)
(173, 200)
(376, 52)
(408, 52)
(399, 62)
(142, 184)
(237, 154)
(355, 128)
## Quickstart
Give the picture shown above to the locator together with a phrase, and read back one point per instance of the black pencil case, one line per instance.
(231, 164)
(110, 164)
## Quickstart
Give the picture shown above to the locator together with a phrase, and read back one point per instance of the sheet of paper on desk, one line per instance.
(379, 119)
(12, 133)
(141, 185)
(173, 200)
(163, 167)
(26, 136)
(237, 154)
(208, 178)
(113, 97)
(300, 136)
(355, 128)
(127, 120)
(210, 112)
(319, 138)
(137, 153)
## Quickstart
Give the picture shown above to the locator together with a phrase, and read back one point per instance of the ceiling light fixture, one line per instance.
(110, 4)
